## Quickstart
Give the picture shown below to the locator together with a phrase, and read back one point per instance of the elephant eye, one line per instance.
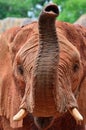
(20, 69)
(76, 67)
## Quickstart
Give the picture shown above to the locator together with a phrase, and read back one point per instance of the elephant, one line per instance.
(43, 75)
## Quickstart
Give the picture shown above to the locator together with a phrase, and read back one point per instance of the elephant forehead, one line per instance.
(67, 48)
(29, 45)
(29, 49)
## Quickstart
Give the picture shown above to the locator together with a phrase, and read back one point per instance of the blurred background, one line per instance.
(21, 12)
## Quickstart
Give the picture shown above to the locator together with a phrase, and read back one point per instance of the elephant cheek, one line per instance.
(71, 101)
(65, 100)
(30, 102)
(27, 102)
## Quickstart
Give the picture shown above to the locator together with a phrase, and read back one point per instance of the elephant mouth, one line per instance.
(43, 122)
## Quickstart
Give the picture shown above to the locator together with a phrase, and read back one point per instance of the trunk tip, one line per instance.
(52, 9)
(49, 12)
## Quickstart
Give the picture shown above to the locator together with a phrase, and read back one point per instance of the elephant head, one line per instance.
(47, 72)
(48, 84)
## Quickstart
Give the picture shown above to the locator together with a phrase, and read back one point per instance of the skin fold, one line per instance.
(43, 72)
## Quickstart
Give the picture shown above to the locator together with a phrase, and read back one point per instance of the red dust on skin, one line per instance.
(23, 43)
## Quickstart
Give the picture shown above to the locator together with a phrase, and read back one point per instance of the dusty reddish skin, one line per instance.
(10, 98)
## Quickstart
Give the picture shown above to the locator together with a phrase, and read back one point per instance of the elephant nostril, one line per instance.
(43, 122)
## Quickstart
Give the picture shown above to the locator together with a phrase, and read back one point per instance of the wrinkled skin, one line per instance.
(20, 53)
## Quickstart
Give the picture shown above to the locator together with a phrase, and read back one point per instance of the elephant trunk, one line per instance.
(45, 69)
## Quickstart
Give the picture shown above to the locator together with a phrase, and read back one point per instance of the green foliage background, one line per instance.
(14, 8)
(70, 9)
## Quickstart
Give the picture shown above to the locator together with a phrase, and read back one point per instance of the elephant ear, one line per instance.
(82, 99)
(9, 96)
